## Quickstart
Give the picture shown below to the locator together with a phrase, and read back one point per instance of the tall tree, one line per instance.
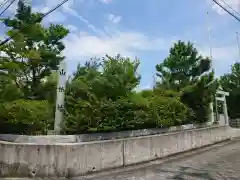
(186, 71)
(33, 52)
(99, 95)
(230, 82)
(182, 67)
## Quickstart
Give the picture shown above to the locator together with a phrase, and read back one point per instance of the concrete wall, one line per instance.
(68, 160)
(52, 139)
(235, 123)
(49, 139)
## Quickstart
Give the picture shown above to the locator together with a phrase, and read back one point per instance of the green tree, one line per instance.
(33, 52)
(185, 71)
(26, 66)
(101, 97)
(8, 90)
(231, 83)
(182, 67)
(100, 91)
(25, 117)
(47, 88)
(198, 97)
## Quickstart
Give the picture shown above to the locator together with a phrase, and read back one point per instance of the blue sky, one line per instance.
(145, 29)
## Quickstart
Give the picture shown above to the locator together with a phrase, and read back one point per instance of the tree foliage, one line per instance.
(98, 96)
(182, 67)
(33, 52)
(26, 64)
(102, 95)
(185, 71)
(231, 83)
(25, 117)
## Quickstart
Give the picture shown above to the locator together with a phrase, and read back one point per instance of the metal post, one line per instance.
(238, 44)
(210, 54)
(60, 97)
(209, 37)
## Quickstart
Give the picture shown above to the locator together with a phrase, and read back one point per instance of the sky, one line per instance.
(145, 29)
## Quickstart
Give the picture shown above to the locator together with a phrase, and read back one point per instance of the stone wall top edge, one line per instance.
(109, 141)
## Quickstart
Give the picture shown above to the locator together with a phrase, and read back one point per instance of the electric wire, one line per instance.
(225, 9)
(230, 7)
(8, 6)
(37, 21)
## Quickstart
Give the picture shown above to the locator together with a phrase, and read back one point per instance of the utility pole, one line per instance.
(209, 38)
(238, 44)
(211, 57)
(60, 97)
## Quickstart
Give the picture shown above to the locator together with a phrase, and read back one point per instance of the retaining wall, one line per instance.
(235, 123)
(75, 159)
(52, 139)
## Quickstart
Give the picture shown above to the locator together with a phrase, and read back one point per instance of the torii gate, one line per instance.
(220, 96)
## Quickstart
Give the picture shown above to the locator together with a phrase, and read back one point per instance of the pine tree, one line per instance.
(182, 67)
(33, 52)
(185, 71)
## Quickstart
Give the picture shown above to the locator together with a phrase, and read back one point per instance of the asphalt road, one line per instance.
(222, 163)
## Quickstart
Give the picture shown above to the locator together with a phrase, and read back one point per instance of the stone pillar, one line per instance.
(225, 111)
(211, 117)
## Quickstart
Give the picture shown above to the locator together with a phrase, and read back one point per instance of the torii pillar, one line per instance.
(223, 95)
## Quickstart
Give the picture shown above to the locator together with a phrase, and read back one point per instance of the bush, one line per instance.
(106, 116)
(130, 113)
(25, 117)
(169, 112)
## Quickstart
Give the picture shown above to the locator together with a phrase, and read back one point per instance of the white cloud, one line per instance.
(106, 1)
(76, 14)
(114, 18)
(221, 54)
(235, 4)
(61, 13)
(72, 28)
(125, 43)
(56, 17)
(223, 57)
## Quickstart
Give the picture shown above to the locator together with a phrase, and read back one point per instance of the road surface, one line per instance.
(222, 163)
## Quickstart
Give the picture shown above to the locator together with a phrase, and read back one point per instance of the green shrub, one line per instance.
(25, 117)
(134, 112)
(169, 112)
(106, 116)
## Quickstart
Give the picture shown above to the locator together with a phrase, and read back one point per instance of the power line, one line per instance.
(7, 7)
(58, 6)
(37, 21)
(230, 7)
(4, 3)
(233, 15)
